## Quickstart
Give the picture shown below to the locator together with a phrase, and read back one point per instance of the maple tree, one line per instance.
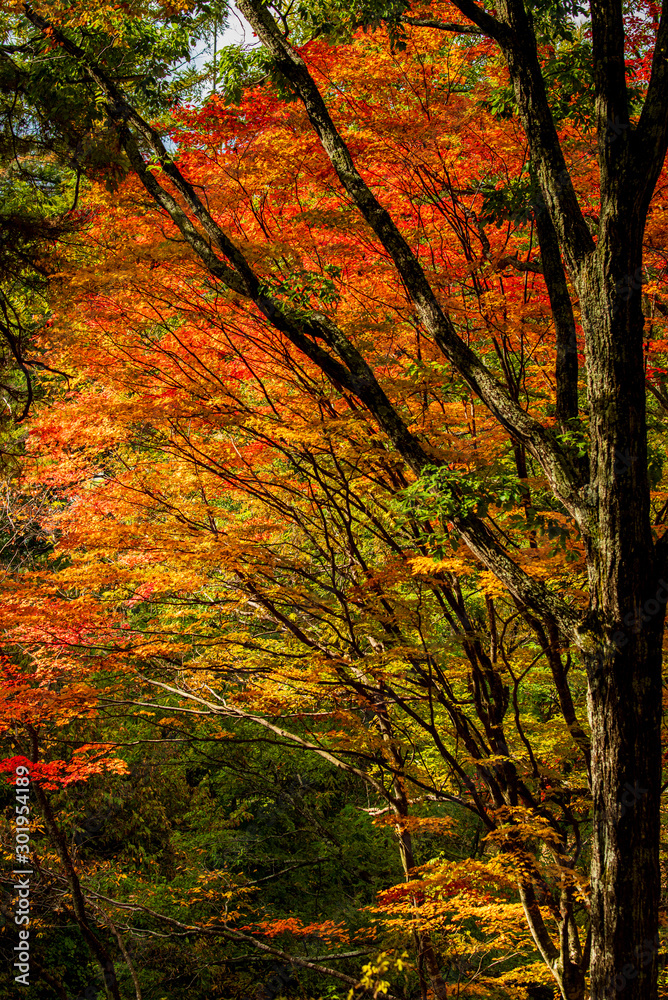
(340, 474)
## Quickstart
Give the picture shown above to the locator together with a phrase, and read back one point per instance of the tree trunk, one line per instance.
(625, 712)
(626, 625)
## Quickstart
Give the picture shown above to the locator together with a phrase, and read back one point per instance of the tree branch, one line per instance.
(650, 138)
(489, 25)
(520, 49)
(537, 439)
(431, 22)
(234, 935)
(302, 331)
(564, 320)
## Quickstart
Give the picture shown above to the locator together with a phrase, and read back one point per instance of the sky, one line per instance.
(237, 31)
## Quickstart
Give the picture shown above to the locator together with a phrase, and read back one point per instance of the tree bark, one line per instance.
(564, 322)
(627, 612)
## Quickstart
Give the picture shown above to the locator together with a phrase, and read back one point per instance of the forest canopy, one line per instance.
(335, 402)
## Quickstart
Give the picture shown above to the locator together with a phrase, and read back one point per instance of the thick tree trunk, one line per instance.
(625, 711)
(626, 621)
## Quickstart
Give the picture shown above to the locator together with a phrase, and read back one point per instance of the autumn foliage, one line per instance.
(231, 536)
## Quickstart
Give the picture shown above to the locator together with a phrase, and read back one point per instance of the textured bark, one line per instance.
(623, 630)
(564, 321)
(625, 709)
(626, 617)
(565, 960)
